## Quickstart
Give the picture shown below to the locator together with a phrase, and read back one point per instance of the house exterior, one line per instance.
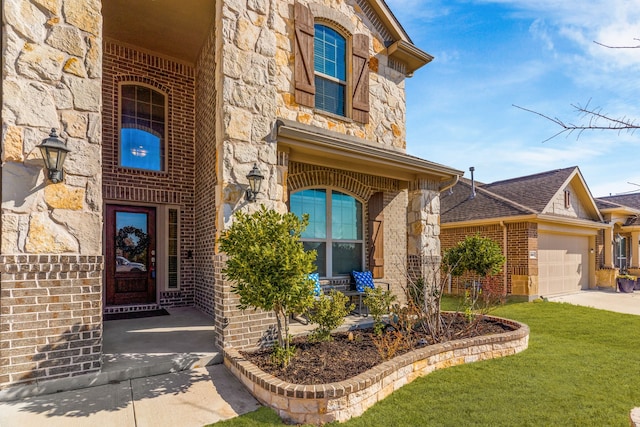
(623, 240)
(548, 225)
(166, 107)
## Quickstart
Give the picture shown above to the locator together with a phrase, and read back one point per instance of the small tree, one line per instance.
(270, 267)
(477, 255)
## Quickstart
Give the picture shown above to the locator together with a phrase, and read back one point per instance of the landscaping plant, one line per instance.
(478, 257)
(328, 312)
(378, 302)
(270, 268)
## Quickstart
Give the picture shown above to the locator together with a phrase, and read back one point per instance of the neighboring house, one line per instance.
(547, 224)
(623, 213)
(166, 107)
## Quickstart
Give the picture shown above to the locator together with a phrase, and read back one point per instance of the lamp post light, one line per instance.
(255, 181)
(54, 151)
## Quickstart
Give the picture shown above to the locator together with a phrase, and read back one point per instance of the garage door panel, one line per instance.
(562, 263)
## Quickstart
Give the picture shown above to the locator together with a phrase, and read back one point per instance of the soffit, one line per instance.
(173, 28)
(321, 147)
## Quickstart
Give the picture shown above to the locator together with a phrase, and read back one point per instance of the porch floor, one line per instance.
(134, 348)
(148, 346)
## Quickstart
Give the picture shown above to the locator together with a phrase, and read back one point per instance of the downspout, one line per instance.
(504, 253)
(449, 184)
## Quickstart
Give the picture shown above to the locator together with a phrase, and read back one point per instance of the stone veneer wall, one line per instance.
(255, 84)
(258, 88)
(51, 251)
(423, 231)
(174, 186)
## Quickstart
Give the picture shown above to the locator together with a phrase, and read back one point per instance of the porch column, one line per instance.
(423, 222)
(635, 259)
(608, 248)
(51, 252)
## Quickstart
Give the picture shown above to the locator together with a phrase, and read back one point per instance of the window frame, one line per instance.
(567, 199)
(329, 240)
(348, 67)
(162, 247)
(163, 141)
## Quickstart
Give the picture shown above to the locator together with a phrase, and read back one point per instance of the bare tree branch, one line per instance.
(594, 119)
(618, 47)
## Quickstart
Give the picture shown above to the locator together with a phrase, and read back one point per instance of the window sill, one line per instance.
(332, 115)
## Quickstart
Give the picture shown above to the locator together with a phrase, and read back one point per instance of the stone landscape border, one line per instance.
(340, 401)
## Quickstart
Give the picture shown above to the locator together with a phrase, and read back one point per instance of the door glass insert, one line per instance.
(131, 242)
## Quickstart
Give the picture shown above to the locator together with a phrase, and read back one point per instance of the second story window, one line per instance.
(330, 67)
(142, 127)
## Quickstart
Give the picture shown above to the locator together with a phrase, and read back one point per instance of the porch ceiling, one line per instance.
(174, 28)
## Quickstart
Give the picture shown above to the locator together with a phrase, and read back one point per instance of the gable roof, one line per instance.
(519, 190)
(398, 43)
(522, 196)
(629, 200)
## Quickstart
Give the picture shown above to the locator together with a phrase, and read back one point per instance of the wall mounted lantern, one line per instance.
(255, 181)
(54, 151)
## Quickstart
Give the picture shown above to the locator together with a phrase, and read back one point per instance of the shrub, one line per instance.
(270, 268)
(378, 302)
(328, 312)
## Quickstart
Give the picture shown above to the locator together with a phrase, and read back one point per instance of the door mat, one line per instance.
(135, 314)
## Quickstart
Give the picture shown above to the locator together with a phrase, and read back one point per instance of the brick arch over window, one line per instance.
(316, 178)
(130, 79)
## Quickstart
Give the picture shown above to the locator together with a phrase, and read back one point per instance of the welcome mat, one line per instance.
(135, 314)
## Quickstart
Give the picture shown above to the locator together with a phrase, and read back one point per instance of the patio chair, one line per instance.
(360, 281)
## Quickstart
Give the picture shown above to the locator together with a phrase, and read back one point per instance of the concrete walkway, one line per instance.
(604, 300)
(192, 398)
(157, 371)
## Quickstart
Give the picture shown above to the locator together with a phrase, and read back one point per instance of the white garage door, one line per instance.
(563, 263)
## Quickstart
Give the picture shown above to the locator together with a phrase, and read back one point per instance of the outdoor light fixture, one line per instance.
(255, 181)
(54, 151)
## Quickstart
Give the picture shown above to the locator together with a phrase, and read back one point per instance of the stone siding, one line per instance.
(51, 304)
(173, 186)
(258, 87)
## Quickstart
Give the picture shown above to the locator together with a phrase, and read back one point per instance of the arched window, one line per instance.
(330, 64)
(142, 127)
(335, 229)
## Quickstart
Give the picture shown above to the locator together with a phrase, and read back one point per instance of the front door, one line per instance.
(130, 255)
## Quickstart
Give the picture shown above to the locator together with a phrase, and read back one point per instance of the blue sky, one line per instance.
(538, 54)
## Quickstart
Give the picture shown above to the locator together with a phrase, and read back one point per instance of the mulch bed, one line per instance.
(350, 354)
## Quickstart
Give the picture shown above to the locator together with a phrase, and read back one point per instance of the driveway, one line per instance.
(604, 300)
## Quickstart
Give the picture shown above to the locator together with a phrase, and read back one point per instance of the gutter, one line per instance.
(449, 184)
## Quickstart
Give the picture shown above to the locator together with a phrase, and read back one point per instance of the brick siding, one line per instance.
(521, 239)
(206, 179)
(51, 318)
(176, 184)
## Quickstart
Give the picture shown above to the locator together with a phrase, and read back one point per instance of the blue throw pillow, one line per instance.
(363, 279)
(317, 290)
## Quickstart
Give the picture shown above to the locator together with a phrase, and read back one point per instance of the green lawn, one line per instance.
(582, 368)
